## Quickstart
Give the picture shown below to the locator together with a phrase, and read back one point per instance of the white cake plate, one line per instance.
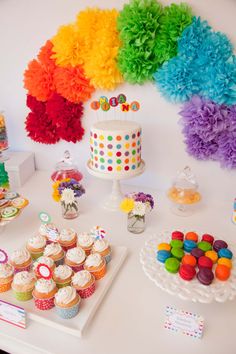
(112, 202)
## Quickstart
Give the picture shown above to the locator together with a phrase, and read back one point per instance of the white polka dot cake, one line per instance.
(115, 146)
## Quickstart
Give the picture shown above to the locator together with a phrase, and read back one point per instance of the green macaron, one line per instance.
(176, 243)
(172, 265)
(177, 253)
(204, 246)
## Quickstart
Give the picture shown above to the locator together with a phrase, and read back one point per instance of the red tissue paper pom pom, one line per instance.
(72, 84)
(36, 106)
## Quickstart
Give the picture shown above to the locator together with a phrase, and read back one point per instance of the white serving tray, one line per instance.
(88, 307)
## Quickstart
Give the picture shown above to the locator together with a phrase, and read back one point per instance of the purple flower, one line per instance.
(200, 149)
(74, 185)
(227, 149)
(142, 197)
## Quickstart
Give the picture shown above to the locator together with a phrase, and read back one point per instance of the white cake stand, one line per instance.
(112, 202)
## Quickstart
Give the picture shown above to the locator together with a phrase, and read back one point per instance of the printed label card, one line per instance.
(184, 322)
(12, 314)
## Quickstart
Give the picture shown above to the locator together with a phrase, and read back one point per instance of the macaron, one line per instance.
(189, 259)
(226, 262)
(208, 238)
(205, 276)
(189, 245)
(162, 255)
(172, 265)
(187, 272)
(164, 246)
(222, 272)
(204, 262)
(212, 255)
(205, 246)
(191, 236)
(177, 235)
(218, 244)
(197, 253)
(177, 253)
(225, 252)
(176, 243)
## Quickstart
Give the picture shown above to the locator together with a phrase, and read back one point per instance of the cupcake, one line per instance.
(6, 277)
(102, 247)
(36, 245)
(43, 260)
(62, 275)
(75, 258)
(23, 285)
(96, 265)
(44, 293)
(67, 302)
(55, 252)
(21, 260)
(48, 230)
(67, 239)
(85, 241)
(84, 283)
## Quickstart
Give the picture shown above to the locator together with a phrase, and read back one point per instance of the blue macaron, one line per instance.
(163, 255)
(189, 245)
(225, 252)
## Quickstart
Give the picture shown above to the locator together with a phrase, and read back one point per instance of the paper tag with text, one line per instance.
(184, 322)
(12, 314)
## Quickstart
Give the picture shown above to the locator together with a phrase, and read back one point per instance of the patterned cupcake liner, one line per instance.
(67, 313)
(68, 247)
(100, 273)
(21, 269)
(77, 268)
(59, 261)
(23, 296)
(85, 293)
(62, 285)
(107, 258)
(44, 304)
(5, 287)
(36, 255)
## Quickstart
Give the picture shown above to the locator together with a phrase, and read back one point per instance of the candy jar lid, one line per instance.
(66, 168)
(186, 179)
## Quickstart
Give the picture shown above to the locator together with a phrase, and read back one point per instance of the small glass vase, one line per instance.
(70, 210)
(136, 223)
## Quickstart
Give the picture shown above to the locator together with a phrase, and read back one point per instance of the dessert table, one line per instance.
(131, 317)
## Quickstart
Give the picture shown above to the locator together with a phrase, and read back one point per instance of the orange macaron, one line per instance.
(189, 259)
(222, 272)
(193, 236)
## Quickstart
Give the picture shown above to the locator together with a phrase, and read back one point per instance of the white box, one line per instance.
(20, 167)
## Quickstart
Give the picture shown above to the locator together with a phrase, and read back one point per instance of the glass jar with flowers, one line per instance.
(136, 205)
(68, 191)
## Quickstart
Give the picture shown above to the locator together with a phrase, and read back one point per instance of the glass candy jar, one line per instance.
(70, 210)
(66, 168)
(183, 194)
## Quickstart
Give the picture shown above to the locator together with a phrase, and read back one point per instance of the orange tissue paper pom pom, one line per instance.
(71, 84)
(45, 55)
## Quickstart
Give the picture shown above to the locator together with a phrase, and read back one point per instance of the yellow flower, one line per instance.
(56, 196)
(127, 205)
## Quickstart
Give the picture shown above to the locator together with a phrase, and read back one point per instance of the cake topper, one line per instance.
(98, 232)
(3, 257)
(105, 104)
(44, 271)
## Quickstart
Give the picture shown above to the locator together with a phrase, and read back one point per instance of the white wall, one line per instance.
(25, 25)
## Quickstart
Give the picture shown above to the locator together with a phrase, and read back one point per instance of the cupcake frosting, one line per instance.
(65, 295)
(63, 271)
(20, 256)
(52, 249)
(76, 255)
(37, 241)
(67, 234)
(44, 260)
(93, 260)
(44, 286)
(23, 278)
(81, 278)
(100, 245)
(85, 240)
(46, 228)
(6, 270)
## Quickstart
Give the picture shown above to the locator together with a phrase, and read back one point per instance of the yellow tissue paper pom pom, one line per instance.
(127, 205)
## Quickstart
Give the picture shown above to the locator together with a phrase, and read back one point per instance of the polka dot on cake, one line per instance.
(91, 141)
(101, 146)
(101, 153)
(118, 146)
(91, 133)
(110, 153)
(133, 152)
(133, 167)
(95, 151)
(126, 168)
(101, 137)
(127, 153)
(109, 138)
(126, 160)
(133, 144)
(102, 167)
(96, 158)
(118, 161)
(95, 136)
(118, 154)
(133, 159)
(95, 143)
(138, 142)
(109, 168)
(118, 138)
(102, 160)
(110, 161)
(138, 134)
(118, 168)
(127, 137)
(96, 165)
(127, 145)
(110, 146)
(91, 148)
(134, 136)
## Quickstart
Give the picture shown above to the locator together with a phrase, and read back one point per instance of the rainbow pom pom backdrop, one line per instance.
(186, 59)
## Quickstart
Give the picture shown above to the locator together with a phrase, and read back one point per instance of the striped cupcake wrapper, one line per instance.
(98, 274)
(108, 258)
(21, 269)
(5, 287)
(77, 268)
(62, 285)
(44, 304)
(36, 255)
(85, 293)
(66, 248)
(23, 296)
(67, 313)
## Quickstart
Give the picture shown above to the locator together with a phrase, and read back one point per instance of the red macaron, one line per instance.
(187, 272)
(205, 262)
(208, 238)
(177, 235)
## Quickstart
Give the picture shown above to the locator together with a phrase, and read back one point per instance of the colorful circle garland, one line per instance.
(186, 59)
